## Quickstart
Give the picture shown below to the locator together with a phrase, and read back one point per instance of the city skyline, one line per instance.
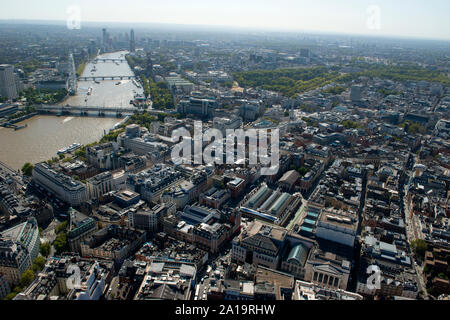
(179, 161)
(379, 18)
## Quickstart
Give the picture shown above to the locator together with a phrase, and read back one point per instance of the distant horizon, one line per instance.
(414, 19)
(214, 28)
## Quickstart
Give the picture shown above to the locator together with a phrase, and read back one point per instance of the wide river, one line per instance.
(106, 93)
(45, 135)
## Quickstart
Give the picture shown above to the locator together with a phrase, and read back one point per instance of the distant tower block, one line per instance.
(8, 87)
(105, 37)
(132, 42)
(356, 94)
(106, 41)
(149, 69)
(305, 54)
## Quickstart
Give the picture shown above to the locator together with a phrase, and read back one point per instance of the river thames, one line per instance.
(106, 93)
(45, 135)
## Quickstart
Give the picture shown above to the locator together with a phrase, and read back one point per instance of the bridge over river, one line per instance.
(84, 110)
(94, 78)
(118, 60)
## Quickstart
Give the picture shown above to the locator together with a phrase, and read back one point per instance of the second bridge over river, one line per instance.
(96, 78)
(84, 110)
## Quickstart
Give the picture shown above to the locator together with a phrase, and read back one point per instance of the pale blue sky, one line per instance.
(410, 18)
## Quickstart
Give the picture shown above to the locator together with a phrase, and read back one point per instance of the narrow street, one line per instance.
(412, 233)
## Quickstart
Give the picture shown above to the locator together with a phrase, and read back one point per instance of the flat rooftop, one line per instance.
(341, 218)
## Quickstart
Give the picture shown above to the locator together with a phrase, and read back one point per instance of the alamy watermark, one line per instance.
(374, 280)
(73, 20)
(74, 280)
(190, 150)
(373, 17)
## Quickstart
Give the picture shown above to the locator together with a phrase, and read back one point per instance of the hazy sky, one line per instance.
(411, 18)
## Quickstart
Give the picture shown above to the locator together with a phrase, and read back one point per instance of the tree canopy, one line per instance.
(38, 264)
(27, 278)
(419, 247)
(290, 82)
(45, 249)
(27, 169)
(60, 243)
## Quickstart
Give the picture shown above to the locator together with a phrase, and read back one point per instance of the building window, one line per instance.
(336, 282)
(330, 282)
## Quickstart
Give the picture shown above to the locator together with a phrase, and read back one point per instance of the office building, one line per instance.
(182, 193)
(207, 228)
(305, 53)
(224, 124)
(236, 187)
(309, 291)
(385, 253)
(197, 106)
(27, 234)
(132, 41)
(338, 226)
(214, 198)
(72, 191)
(8, 88)
(112, 243)
(80, 228)
(105, 40)
(273, 285)
(150, 184)
(442, 128)
(139, 141)
(179, 85)
(52, 282)
(251, 110)
(259, 244)
(356, 93)
(167, 127)
(167, 281)
(126, 198)
(103, 156)
(14, 260)
(4, 287)
(100, 185)
(150, 219)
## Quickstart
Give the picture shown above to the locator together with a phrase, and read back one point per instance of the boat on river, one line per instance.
(72, 147)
